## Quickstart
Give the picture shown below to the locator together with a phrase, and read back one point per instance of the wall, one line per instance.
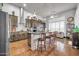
(77, 17)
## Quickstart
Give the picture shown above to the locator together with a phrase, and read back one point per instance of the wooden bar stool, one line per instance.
(48, 38)
(41, 43)
(41, 47)
(48, 41)
(53, 38)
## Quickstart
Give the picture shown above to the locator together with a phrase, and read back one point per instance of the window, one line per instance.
(62, 26)
(57, 26)
(52, 27)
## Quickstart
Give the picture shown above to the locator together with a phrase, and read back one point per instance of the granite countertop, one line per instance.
(17, 40)
(36, 32)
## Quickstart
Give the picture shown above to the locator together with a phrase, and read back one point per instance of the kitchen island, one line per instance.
(34, 37)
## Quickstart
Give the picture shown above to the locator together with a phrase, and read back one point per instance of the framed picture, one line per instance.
(70, 19)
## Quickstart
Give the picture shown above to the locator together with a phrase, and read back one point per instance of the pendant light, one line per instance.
(34, 14)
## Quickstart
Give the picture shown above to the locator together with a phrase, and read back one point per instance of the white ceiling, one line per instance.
(46, 9)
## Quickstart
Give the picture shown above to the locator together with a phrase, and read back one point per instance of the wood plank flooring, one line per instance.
(61, 48)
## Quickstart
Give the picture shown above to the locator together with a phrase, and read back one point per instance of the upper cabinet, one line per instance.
(33, 24)
(14, 20)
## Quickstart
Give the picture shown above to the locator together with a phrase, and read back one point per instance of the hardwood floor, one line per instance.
(61, 48)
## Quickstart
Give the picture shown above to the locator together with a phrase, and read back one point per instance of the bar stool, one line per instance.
(53, 38)
(41, 43)
(48, 39)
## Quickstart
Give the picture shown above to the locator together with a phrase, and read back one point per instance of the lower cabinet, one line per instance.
(75, 41)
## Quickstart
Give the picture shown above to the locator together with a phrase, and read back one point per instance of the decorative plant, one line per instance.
(76, 29)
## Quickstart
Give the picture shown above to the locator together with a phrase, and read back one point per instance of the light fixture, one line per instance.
(34, 14)
(24, 5)
(52, 16)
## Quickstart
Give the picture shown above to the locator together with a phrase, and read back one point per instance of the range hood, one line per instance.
(22, 16)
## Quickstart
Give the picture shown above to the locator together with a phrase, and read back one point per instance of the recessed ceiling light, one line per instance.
(51, 16)
(24, 4)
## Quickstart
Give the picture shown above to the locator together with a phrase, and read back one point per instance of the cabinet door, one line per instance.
(14, 20)
(75, 39)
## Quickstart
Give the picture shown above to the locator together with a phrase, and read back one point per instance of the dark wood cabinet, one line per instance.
(75, 41)
(35, 24)
(14, 20)
(13, 23)
(29, 39)
(17, 36)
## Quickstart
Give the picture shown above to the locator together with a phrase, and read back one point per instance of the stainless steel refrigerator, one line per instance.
(4, 41)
